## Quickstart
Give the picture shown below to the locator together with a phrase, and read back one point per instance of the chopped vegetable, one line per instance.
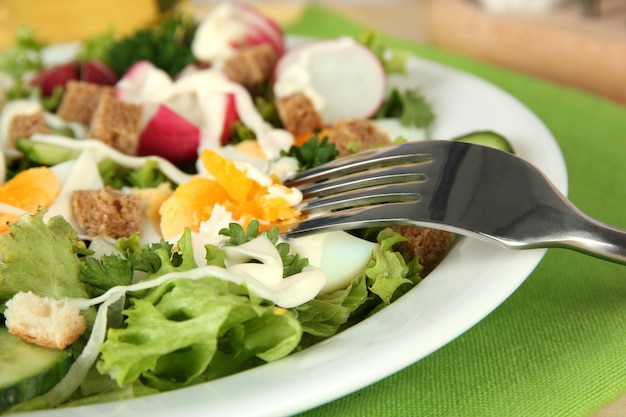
(410, 106)
(313, 153)
(167, 45)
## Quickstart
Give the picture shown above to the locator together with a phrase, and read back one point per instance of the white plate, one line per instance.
(471, 282)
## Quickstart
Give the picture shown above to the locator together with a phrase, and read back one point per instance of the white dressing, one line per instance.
(215, 34)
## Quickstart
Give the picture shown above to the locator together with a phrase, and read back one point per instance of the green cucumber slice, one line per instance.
(45, 153)
(487, 138)
(28, 370)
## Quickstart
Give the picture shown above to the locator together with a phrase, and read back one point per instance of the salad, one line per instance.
(142, 205)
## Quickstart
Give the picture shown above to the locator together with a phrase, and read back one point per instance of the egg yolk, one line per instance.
(28, 190)
(193, 202)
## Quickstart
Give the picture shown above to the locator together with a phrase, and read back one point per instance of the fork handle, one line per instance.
(597, 239)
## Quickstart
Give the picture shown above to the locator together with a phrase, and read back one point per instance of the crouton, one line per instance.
(107, 212)
(44, 321)
(117, 123)
(252, 65)
(429, 245)
(298, 114)
(80, 100)
(26, 125)
(356, 135)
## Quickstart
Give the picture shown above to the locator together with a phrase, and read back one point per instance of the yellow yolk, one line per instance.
(193, 202)
(28, 190)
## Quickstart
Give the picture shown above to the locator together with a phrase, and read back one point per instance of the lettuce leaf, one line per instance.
(42, 258)
(387, 276)
(173, 334)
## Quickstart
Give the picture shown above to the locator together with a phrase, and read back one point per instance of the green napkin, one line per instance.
(557, 346)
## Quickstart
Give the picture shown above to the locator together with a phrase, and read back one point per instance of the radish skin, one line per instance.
(170, 136)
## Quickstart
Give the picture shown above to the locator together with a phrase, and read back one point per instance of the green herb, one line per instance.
(167, 45)
(240, 132)
(394, 61)
(410, 106)
(312, 153)
(238, 235)
(265, 103)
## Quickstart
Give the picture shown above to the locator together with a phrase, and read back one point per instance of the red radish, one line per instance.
(233, 25)
(141, 81)
(342, 77)
(230, 117)
(266, 28)
(170, 136)
(89, 71)
(96, 72)
(50, 78)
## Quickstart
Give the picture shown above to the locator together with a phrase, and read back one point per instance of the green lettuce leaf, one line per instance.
(42, 258)
(173, 334)
(386, 277)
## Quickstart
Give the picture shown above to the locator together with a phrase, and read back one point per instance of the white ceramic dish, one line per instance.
(472, 281)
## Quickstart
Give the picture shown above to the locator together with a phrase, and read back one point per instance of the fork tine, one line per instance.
(370, 178)
(385, 193)
(362, 161)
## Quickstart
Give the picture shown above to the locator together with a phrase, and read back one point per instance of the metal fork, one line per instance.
(464, 188)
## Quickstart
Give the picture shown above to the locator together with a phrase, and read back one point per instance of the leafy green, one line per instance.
(393, 60)
(25, 56)
(240, 132)
(117, 176)
(42, 258)
(386, 277)
(97, 48)
(410, 106)
(181, 332)
(167, 45)
(312, 153)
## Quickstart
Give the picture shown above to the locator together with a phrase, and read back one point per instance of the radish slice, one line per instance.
(230, 26)
(96, 72)
(170, 136)
(50, 78)
(342, 78)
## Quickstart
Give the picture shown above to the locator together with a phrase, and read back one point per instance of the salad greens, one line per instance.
(181, 331)
(167, 45)
(159, 317)
(312, 153)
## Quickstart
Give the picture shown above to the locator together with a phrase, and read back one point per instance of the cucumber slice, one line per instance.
(487, 138)
(28, 370)
(45, 153)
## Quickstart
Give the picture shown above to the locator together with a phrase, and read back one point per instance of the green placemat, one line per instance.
(557, 347)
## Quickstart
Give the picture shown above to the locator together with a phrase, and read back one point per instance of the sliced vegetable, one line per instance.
(45, 153)
(170, 136)
(231, 26)
(342, 77)
(487, 138)
(28, 370)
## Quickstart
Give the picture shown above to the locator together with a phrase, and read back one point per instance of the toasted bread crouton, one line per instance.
(429, 245)
(252, 65)
(26, 125)
(117, 123)
(356, 133)
(80, 100)
(298, 114)
(107, 212)
(45, 321)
